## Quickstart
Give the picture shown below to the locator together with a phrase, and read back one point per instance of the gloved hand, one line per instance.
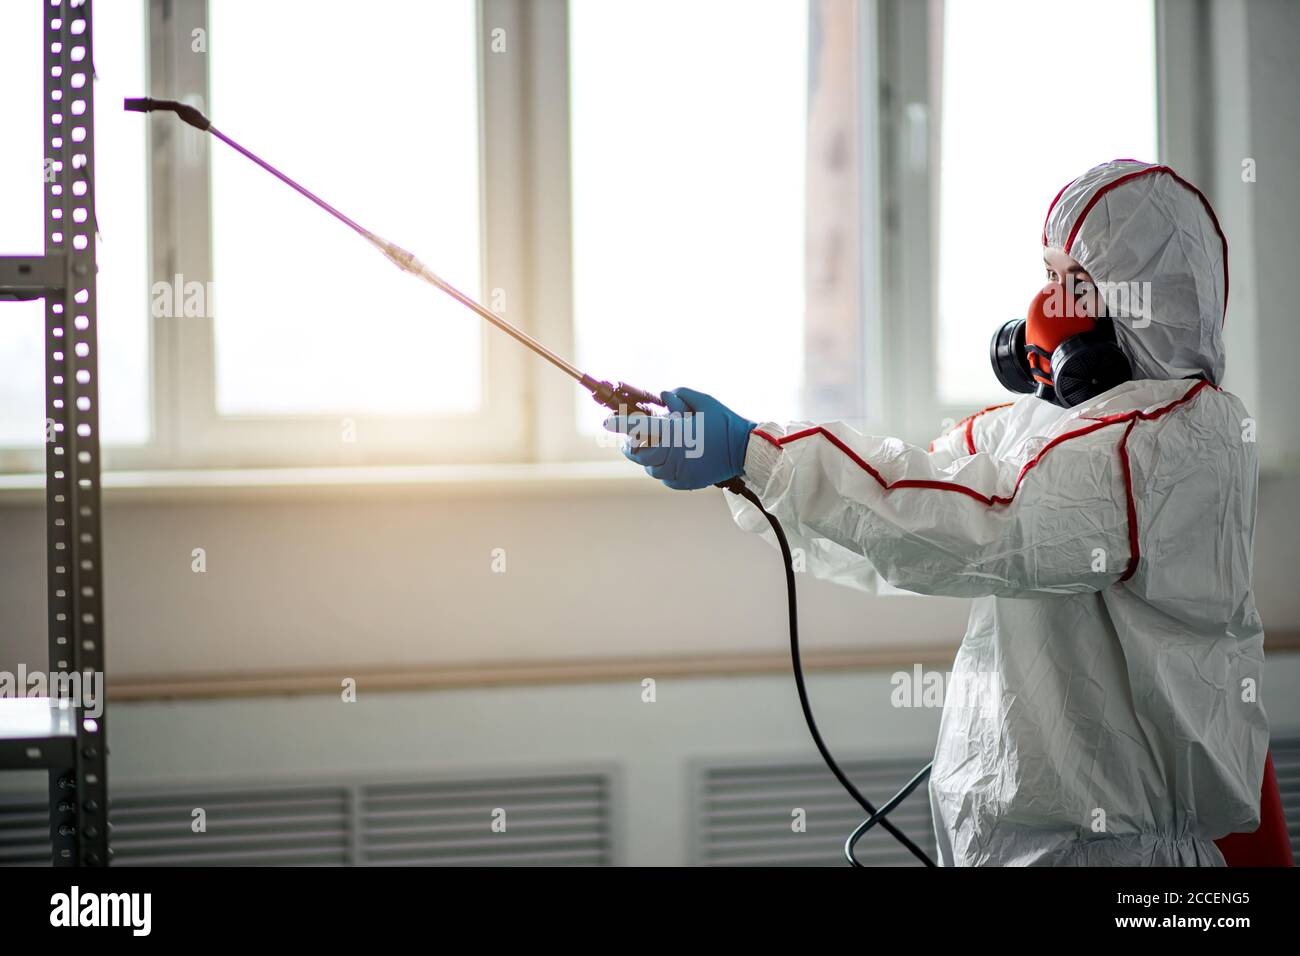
(700, 442)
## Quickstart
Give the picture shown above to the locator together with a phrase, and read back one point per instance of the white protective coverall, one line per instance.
(1103, 706)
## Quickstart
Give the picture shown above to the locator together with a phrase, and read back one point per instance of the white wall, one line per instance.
(377, 582)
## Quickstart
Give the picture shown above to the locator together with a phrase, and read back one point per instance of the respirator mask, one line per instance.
(1064, 350)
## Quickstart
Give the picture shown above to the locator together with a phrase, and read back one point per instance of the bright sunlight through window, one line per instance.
(376, 108)
(688, 126)
(1028, 105)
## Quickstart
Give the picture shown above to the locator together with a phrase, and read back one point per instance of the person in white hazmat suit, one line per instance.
(1104, 706)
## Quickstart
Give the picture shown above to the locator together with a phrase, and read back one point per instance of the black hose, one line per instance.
(736, 486)
(850, 845)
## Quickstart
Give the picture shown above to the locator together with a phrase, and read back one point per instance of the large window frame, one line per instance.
(189, 433)
(525, 198)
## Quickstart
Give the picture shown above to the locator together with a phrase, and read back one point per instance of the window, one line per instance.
(310, 348)
(120, 213)
(377, 109)
(22, 324)
(1018, 123)
(121, 210)
(688, 128)
(736, 195)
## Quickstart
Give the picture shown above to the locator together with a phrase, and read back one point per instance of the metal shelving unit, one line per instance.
(54, 733)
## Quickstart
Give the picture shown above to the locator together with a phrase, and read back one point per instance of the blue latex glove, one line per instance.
(699, 443)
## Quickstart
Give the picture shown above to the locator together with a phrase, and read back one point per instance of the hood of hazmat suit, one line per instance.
(1104, 706)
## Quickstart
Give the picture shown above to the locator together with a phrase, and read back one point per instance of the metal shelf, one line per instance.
(36, 733)
(40, 733)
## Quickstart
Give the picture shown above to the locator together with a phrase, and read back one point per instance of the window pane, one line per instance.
(688, 126)
(1015, 129)
(120, 213)
(22, 402)
(376, 109)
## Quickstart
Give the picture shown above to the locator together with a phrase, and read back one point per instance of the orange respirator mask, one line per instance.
(1060, 351)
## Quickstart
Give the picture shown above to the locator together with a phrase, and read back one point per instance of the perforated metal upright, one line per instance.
(72, 748)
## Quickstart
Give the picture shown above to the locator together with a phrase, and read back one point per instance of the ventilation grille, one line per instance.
(553, 822)
(246, 828)
(24, 832)
(747, 815)
(549, 820)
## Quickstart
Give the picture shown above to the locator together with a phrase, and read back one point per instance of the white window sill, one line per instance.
(507, 480)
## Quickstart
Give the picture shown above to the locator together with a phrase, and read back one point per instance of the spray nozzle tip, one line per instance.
(187, 113)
